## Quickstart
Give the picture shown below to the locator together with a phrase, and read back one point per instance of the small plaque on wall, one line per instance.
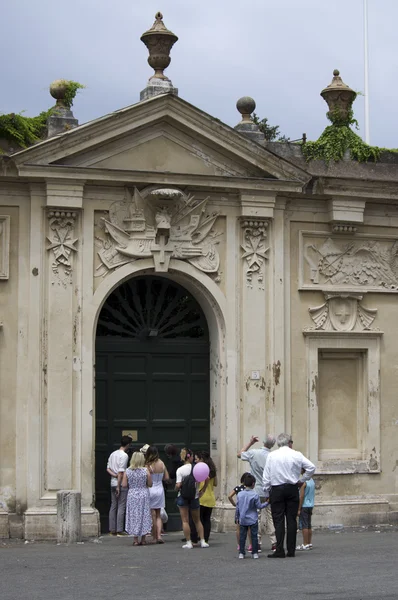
(133, 433)
(4, 246)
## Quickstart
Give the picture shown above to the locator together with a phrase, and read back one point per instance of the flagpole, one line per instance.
(366, 66)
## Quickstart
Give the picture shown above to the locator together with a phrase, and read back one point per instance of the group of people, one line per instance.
(138, 481)
(278, 488)
(281, 483)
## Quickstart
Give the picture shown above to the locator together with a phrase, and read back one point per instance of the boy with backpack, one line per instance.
(247, 505)
(188, 499)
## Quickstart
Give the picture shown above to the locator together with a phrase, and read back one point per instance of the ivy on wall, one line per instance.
(339, 138)
(24, 131)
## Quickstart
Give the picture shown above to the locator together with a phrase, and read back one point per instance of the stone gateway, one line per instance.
(165, 275)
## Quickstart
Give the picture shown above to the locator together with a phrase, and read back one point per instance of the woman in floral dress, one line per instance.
(138, 514)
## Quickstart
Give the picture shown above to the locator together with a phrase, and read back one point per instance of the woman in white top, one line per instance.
(189, 504)
(156, 493)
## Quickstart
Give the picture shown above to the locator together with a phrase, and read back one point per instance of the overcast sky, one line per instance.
(280, 52)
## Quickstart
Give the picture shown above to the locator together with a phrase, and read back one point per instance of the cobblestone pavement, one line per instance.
(351, 564)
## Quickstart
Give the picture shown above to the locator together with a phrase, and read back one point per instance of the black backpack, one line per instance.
(188, 487)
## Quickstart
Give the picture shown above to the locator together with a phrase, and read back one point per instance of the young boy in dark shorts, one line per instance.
(306, 504)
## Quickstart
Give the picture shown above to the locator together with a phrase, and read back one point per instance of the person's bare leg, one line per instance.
(306, 537)
(198, 523)
(159, 524)
(153, 517)
(184, 513)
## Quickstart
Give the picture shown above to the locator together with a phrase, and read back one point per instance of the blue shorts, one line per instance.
(192, 504)
(305, 517)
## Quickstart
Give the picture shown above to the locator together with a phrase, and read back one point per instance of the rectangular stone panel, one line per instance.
(339, 403)
(348, 261)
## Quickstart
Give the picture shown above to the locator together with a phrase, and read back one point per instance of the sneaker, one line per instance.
(203, 544)
(255, 556)
(250, 548)
(273, 547)
(307, 547)
(300, 547)
(241, 556)
(188, 545)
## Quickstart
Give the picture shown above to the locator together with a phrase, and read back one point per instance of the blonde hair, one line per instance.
(137, 460)
(185, 454)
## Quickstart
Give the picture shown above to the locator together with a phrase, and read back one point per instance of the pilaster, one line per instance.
(279, 409)
(59, 349)
(61, 428)
(254, 326)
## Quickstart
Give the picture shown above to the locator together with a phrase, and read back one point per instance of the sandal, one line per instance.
(136, 544)
(160, 541)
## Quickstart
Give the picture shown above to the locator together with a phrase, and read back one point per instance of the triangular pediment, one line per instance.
(164, 134)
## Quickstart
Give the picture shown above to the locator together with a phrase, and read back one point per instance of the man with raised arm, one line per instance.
(281, 485)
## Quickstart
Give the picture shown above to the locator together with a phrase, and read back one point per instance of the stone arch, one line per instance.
(213, 304)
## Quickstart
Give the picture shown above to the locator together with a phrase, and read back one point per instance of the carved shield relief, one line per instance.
(343, 313)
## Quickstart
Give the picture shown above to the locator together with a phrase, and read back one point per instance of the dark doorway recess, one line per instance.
(152, 376)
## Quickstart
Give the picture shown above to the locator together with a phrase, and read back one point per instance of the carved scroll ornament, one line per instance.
(342, 312)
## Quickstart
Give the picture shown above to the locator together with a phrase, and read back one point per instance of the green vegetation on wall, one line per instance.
(338, 138)
(22, 131)
(71, 91)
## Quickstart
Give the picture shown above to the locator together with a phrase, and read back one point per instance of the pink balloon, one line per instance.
(201, 471)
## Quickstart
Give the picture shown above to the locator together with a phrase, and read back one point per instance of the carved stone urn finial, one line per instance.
(339, 98)
(159, 40)
(58, 90)
(61, 118)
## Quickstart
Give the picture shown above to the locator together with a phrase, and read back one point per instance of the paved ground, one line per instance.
(350, 564)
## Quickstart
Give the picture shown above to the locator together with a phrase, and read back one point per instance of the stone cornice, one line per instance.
(356, 188)
(116, 176)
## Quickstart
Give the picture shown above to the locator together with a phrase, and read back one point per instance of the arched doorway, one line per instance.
(152, 374)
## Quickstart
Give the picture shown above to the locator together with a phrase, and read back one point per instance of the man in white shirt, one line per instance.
(257, 457)
(281, 485)
(117, 464)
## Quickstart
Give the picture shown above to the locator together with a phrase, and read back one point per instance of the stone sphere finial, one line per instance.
(339, 97)
(58, 90)
(159, 40)
(246, 106)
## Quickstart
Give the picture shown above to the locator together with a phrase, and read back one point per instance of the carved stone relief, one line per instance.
(254, 251)
(4, 246)
(342, 312)
(160, 224)
(363, 262)
(62, 243)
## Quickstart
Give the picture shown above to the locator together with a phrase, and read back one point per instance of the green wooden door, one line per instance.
(152, 375)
